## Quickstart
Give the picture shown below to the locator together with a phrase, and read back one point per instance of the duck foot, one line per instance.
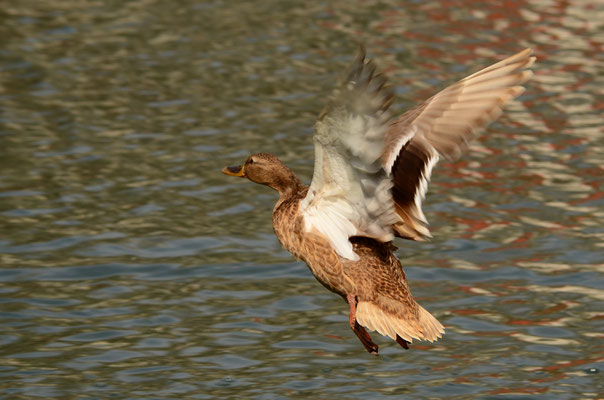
(358, 330)
(365, 339)
(402, 342)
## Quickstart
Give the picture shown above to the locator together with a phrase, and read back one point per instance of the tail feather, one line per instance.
(422, 326)
(433, 330)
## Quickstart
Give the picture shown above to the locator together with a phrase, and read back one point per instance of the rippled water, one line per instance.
(131, 268)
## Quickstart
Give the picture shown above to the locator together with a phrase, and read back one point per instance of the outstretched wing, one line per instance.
(371, 175)
(442, 126)
(350, 193)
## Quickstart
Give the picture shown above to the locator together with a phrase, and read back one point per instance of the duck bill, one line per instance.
(235, 170)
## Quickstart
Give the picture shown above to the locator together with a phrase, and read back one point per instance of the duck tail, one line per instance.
(390, 321)
(433, 330)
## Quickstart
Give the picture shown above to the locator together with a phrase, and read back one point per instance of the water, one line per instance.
(131, 268)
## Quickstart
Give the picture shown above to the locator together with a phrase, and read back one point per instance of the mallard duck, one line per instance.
(371, 174)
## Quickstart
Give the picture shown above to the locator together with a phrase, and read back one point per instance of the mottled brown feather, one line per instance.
(377, 279)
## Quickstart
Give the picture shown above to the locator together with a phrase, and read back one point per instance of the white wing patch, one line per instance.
(422, 189)
(332, 220)
(396, 149)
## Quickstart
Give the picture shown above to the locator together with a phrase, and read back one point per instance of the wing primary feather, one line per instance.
(444, 125)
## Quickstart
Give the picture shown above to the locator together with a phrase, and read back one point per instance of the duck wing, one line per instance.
(371, 174)
(350, 193)
(442, 126)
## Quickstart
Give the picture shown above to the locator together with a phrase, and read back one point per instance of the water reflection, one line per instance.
(132, 268)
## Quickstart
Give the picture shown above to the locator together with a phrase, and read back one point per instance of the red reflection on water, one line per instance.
(474, 377)
(519, 390)
(468, 311)
(528, 322)
(590, 197)
(523, 241)
(556, 308)
(424, 347)
(330, 336)
(552, 378)
(573, 363)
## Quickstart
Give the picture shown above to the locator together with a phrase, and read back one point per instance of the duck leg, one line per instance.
(358, 330)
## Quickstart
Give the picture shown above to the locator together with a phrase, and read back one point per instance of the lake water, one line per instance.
(131, 268)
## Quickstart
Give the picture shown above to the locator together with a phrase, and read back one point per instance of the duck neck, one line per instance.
(286, 183)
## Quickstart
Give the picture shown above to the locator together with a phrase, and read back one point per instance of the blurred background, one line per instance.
(130, 267)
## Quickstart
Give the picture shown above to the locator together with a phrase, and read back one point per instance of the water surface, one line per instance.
(131, 268)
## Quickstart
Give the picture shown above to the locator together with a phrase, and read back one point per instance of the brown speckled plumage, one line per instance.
(377, 280)
(377, 192)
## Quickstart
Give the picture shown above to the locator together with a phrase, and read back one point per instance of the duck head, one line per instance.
(266, 169)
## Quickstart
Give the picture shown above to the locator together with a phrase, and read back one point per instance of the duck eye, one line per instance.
(251, 161)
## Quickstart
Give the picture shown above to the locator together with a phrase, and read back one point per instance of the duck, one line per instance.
(371, 174)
